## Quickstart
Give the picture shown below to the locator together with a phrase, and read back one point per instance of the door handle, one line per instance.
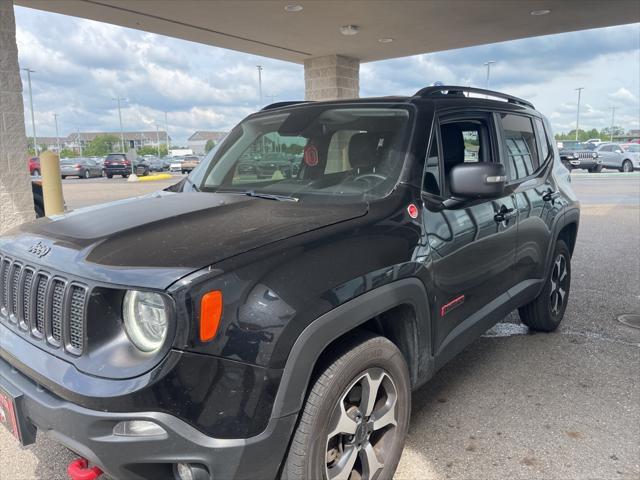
(550, 196)
(504, 214)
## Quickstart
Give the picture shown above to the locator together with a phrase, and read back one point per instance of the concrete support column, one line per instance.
(331, 77)
(16, 200)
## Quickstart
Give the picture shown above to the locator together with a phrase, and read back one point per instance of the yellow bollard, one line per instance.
(51, 183)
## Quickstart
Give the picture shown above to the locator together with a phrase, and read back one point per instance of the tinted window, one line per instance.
(464, 141)
(543, 140)
(520, 145)
(431, 183)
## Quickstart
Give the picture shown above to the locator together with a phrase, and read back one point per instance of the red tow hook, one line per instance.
(79, 470)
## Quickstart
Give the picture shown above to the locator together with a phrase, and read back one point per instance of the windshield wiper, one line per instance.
(266, 196)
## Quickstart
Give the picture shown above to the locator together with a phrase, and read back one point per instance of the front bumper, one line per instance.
(89, 433)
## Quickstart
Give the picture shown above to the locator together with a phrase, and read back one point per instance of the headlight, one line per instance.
(594, 155)
(145, 319)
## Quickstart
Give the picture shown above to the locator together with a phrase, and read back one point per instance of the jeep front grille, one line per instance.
(44, 306)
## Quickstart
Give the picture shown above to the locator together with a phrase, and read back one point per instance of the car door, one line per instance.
(472, 248)
(528, 154)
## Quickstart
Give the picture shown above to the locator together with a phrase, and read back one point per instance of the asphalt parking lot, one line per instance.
(514, 405)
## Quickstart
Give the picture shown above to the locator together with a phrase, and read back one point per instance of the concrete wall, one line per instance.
(16, 201)
(331, 77)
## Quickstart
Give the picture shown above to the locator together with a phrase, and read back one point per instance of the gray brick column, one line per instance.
(331, 77)
(16, 201)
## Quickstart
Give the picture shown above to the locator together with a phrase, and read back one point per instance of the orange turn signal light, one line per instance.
(210, 314)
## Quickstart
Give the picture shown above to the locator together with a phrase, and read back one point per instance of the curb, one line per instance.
(153, 178)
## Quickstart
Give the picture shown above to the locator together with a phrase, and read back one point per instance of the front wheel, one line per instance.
(356, 416)
(87, 174)
(627, 166)
(546, 311)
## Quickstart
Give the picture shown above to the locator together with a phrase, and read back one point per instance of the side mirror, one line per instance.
(477, 180)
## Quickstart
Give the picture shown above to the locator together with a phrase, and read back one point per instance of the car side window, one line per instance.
(464, 141)
(520, 145)
(431, 182)
(543, 140)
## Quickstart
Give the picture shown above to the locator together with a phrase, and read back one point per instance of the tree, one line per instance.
(68, 153)
(606, 133)
(101, 145)
(209, 145)
(151, 150)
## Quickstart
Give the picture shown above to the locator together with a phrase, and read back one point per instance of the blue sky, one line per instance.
(82, 65)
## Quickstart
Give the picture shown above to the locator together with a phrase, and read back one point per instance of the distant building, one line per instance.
(199, 139)
(131, 139)
(50, 143)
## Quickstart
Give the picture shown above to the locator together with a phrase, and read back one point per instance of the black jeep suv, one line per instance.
(243, 327)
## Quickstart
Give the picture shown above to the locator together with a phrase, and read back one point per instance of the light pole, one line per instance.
(121, 131)
(259, 67)
(613, 113)
(33, 118)
(579, 90)
(166, 133)
(488, 65)
(55, 119)
(158, 139)
(79, 141)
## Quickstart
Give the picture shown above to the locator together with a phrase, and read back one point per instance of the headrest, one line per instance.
(363, 150)
(452, 144)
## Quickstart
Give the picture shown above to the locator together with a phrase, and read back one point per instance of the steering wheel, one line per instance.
(369, 178)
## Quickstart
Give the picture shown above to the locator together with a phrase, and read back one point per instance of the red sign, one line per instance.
(310, 155)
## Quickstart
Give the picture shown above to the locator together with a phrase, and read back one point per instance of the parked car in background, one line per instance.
(584, 156)
(155, 164)
(175, 165)
(594, 141)
(34, 166)
(189, 163)
(614, 156)
(633, 149)
(118, 164)
(79, 167)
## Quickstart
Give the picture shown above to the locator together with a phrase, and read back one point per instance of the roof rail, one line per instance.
(457, 90)
(283, 104)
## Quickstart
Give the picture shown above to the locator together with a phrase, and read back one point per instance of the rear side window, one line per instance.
(520, 144)
(543, 140)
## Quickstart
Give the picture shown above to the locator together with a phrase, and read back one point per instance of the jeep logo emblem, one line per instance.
(39, 249)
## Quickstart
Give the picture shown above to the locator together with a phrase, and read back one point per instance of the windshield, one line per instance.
(346, 152)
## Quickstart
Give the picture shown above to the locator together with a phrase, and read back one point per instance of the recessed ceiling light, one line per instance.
(385, 40)
(291, 8)
(537, 13)
(349, 30)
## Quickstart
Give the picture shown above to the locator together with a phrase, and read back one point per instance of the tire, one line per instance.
(87, 174)
(64, 177)
(109, 175)
(337, 394)
(546, 311)
(627, 166)
(36, 172)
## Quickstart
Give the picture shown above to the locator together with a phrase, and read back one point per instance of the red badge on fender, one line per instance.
(412, 210)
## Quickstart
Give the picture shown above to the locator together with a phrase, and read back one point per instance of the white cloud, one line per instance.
(82, 65)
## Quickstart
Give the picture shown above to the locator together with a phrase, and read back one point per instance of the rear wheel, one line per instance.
(356, 416)
(109, 175)
(87, 174)
(627, 166)
(545, 312)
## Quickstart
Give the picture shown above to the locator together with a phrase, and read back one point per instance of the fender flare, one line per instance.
(325, 329)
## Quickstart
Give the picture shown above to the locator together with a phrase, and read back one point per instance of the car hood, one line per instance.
(166, 230)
